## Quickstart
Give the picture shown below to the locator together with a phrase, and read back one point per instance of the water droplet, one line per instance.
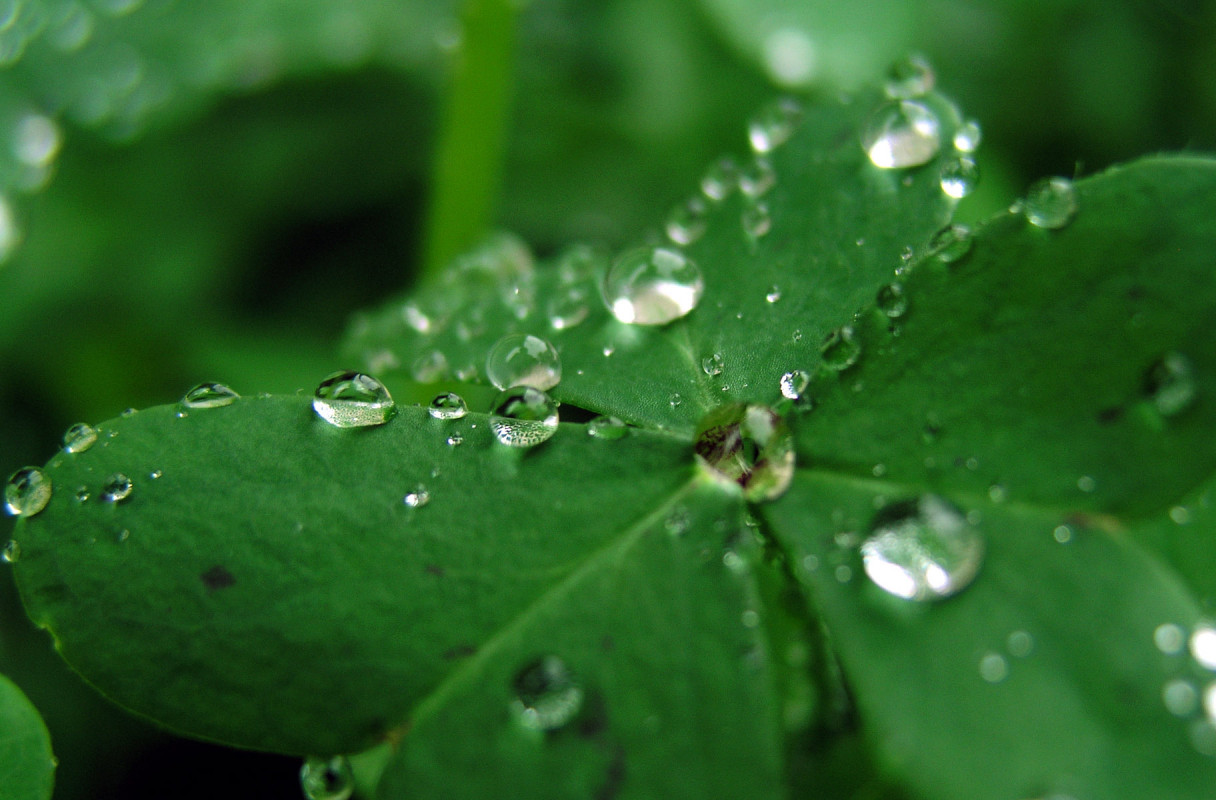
(1020, 644)
(892, 301)
(774, 124)
(794, 383)
(1050, 203)
(994, 668)
(209, 395)
(155, 474)
(430, 367)
(448, 405)
(523, 416)
(36, 140)
(687, 223)
(1180, 515)
(1169, 638)
(757, 178)
(675, 399)
(417, 497)
(967, 137)
(79, 437)
(749, 445)
(608, 429)
(951, 243)
(1170, 384)
(909, 77)
(568, 308)
(455, 440)
(901, 134)
(1180, 697)
(773, 294)
(1209, 701)
(677, 522)
(523, 360)
(789, 56)
(1062, 534)
(840, 349)
(353, 400)
(720, 179)
(1086, 484)
(82, 494)
(922, 550)
(756, 220)
(959, 176)
(116, 488)
(327, 778)
(1203, 646)
(653, 286)
(11, 552)
(27, 492)
(547, 694)
(712, 365)
(797, 335)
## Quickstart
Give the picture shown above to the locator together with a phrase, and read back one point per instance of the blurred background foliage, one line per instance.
(206, 191)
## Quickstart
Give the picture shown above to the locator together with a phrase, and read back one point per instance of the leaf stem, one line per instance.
(467, 173)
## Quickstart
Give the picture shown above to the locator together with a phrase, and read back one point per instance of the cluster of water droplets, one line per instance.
(1190, 693)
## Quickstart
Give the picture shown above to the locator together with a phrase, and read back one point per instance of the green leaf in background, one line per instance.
(27, 767)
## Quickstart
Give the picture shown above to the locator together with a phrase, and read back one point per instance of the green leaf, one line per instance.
(27, 767)
(838, 228)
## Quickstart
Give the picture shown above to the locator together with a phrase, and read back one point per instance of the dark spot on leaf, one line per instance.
(459, 651)
(608, 644)
(217, 578)
(615, 777)
(1108, 416)
(435, 569)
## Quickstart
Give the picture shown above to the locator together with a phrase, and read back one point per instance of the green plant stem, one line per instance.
(467, 176)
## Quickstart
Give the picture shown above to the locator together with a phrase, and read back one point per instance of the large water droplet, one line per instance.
(901, 134)
(1170, 384)
(1050, 203)
(951, 243)
(79, 437)
(327, 778)
(687, 222)
(909, 77)
(720, 179)
(922, 549)
(209, 395)
(520, 359)
(653, 286)
(749, 445)
(794, 383)
(892, 300)
(840, 349)
(349, 399)
(773, 124)
(27, 492)
(608, 429)
(523, 416)
(547, 694)
(712, 365)
(959, 176)
(448, 406)
(117, 488)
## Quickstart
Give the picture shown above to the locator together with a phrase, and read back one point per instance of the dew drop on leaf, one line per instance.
(840, 349)
(922, 549)
(1180, 697)
(417, 497)
(757, 221)
(774, 124)
(327, 778)
(901, 134)
(967, 137)
(27, 492)
(773, 294)
(117, 488)
(1050, 203)
(519, 359)
(11, 552)
(568, 308)
(448, 405)
(712, 365)
(993, 667)
(687, 221)
(653, 286)
(1202, 644)
(455, 440)
(209, 395)
(794, 383)
(757, 178)
(675, 399)
(1169, 638)
(608, 429)
(430, 367)
(892, 300)
(79, 437)
(951, 243)
(547, 694)
(720, 179)
(349, 399)
(1170, 384)
(523, 416)
(909, 77)
(959, 176)
(749, 445)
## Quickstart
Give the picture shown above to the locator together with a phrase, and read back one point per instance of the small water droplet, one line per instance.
(720, 179)
(922, 550)
(11, 552)
(519, 359)
(608, 429)
(798, 335)
(951, 243)
(1169, 638)
(967, 137)
(209, 395)
(547, 694)
(1180, 697)
(36, 140)
(327, 778)
(1203, 646)
(27, 492)
(568, 308)
(909, 77)
(994, 668)
(417, 497)
(1169, 384)
(677, 521)
(675, 399)
(774, 124)
(749, 445)
(155, 474)
(79, 437)
(1180, 515)
(116, 488)
(523, 416)
(789, 56)
(128, 412)
(1020, 644)
(82, 494)
(349, 399)
(448, 405)
(1086, 484)
(756, 220)
(1050, 203)
(757, 178)
(1062, 534)
(653, 286)
(997, 493)
(892, 300)
(455, 440)
(959, 176)
(687, 222)
(712, 365)
(901, 134)
(430, 367)
(773, 294)
(794, 383)
(840, 349)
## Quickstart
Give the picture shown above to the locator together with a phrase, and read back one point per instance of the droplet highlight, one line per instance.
(922, 550)
(417, 497)
(1050, 203)
(448, 405)
(749, 445)
(959, 177)
(350, 399)
(901, 134)
(117, 488)
(520, 359)
(794, 383)
(774, 124)
(523, 416)
(209, 395)
(712, 365)
(27, 492)
(79, 438)
(653, 286)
